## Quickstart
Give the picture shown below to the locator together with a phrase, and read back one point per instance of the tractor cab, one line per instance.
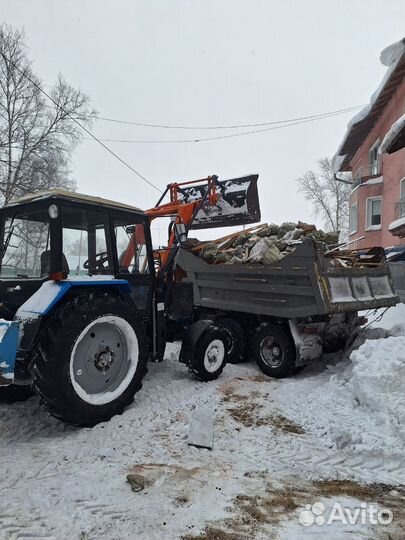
(59, 235)
(63, 252)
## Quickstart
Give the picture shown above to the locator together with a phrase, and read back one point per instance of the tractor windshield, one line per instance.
(25, 243)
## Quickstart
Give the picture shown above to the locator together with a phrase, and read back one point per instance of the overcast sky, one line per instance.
(203, 62)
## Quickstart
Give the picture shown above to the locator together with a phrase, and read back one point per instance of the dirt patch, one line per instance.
(248, 414)
(262, 515)
(212, 533)
(231, 397)
(253, 513)
(283, 423)
(261, 378)
(182, 499)
(245, 414)
(363, 492)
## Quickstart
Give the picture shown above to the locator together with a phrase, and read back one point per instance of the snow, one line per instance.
(337, 162)
(397, 223)
(277, 444)
(389, 57)
(372, 181)
(41, 299)
(4, 326)
(222, 208)
(392, 134)
(378, 389)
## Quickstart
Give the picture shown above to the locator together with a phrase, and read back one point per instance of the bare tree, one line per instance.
(329, 196)
(36, 136)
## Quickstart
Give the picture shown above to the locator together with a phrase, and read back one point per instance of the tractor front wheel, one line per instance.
(92, 359)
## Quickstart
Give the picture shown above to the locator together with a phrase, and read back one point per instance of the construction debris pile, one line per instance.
(263, 244)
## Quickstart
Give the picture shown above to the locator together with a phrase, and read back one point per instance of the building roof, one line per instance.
(72, 196)
(361, 125)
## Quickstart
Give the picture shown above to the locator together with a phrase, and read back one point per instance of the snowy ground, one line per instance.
(333, 434)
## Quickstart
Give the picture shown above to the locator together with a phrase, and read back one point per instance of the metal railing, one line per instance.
(364, 174)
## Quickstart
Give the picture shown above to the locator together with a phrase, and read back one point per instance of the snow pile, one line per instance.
(370, 395)
(378, 382)
(355, 404)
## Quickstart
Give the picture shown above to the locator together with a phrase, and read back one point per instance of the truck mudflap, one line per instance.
(9, 332)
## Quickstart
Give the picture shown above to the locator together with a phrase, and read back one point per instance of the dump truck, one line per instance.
(87, 298)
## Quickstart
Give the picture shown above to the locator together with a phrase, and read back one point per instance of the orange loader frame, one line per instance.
(182, 212)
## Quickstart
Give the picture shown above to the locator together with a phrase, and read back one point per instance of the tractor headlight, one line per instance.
(53, 211)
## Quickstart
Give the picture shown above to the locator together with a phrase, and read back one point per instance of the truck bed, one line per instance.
(301, 284)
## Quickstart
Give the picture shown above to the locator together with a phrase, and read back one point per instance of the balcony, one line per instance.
(397, 227)
(367, 176)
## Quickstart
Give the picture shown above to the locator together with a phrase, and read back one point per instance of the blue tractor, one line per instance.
(86, 300)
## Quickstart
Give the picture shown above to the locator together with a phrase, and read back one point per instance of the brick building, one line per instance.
(378, 193)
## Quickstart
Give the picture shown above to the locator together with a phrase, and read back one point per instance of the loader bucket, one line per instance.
(8, 348)
(238, 203)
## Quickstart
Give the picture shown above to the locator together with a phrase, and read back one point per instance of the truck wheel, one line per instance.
(209, 355)
(274, 351)
(92, 360)
(236, 341)
(14, 393)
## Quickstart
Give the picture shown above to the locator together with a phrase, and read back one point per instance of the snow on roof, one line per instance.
(390, 57)
(397, 129)
(71, 196)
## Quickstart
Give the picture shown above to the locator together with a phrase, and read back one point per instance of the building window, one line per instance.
(373, 158)
(353, 219)
(373, 213)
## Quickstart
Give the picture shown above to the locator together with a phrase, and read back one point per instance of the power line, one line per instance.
(231, 126)
(228, 136)
(99, 141)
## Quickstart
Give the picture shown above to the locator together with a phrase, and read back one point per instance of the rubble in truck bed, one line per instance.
(263, 244)
(267, 244)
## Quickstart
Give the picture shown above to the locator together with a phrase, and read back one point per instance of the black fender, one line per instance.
(194, 332)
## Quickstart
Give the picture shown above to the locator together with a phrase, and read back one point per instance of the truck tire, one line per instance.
(14, 393)
(209, 354)
(236, 341)
(92, 359)
(274, 351)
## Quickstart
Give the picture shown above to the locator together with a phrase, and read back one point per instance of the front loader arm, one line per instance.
(203, 203)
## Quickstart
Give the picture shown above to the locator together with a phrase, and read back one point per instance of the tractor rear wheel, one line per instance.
(92, 359)
(14, 393)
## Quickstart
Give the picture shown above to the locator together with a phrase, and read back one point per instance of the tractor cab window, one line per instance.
(131, 248)
(25, 244)
(85, 246)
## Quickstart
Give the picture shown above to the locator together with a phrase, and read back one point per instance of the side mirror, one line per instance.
(181, 233)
